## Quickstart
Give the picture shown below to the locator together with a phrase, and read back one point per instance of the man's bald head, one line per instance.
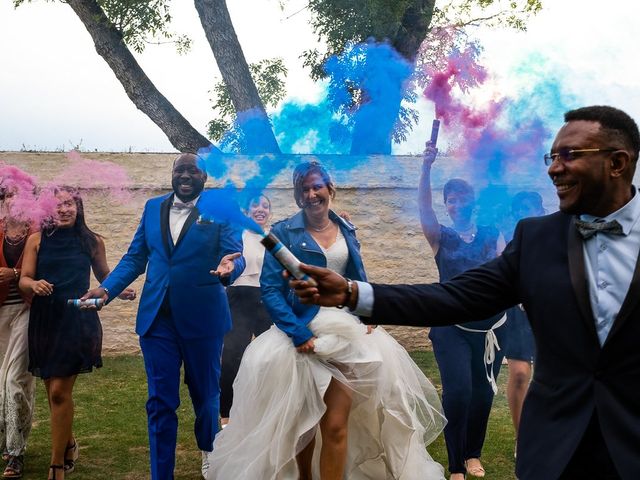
(188, 176)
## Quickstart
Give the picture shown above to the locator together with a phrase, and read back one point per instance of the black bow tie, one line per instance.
(182, 205)
(589, 229)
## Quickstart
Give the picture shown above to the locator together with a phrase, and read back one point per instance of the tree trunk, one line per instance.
(140, 89)
(374, 123)
(251, 115)
(413, 29)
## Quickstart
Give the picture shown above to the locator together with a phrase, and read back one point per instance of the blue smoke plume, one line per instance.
(507, 150)
(359, 109)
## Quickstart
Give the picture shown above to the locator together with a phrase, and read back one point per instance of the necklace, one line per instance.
(14, 242)
(321, 229)
(468, 234)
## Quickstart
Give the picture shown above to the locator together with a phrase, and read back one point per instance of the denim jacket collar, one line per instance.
(297, 221)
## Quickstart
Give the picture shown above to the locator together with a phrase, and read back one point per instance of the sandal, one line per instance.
(54, 468)
(15, 466)
(474, 467)
(71, 454)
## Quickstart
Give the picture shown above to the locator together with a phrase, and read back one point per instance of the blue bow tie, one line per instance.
(589, 229)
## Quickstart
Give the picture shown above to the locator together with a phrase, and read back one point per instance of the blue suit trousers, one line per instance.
(164, 352)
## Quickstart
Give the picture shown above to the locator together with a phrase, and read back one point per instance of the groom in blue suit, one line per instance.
(183, 313)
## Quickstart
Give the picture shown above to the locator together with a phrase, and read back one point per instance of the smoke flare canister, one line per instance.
(435, 128)
(287, 259)
(89, 302)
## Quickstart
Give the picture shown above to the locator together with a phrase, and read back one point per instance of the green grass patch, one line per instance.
(111, 427)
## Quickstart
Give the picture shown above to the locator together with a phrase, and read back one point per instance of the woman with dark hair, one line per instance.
(63, 340)
(319, 393)
(520, 349)
(17, 385)
(248, 314)
(463, 352)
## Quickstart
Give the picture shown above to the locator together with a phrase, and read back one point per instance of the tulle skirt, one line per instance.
(278, 403)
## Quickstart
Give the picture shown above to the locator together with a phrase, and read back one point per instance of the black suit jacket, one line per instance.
(543, 268)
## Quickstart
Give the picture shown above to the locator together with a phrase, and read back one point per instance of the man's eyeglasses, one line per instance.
(567, 154)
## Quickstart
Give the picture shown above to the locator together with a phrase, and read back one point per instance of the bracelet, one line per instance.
(349, 292)
(105, 289)
(16, 273)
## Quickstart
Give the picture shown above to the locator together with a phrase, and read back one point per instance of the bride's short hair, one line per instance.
(305, 169)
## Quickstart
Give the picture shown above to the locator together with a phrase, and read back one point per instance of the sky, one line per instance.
(56, 93)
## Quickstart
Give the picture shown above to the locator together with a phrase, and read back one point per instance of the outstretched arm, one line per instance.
(478, 293)
(101, 269)
(132, 265)
(232, 262)
(428, 219)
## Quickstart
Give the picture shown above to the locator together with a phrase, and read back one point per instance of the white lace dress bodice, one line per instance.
(337, 255)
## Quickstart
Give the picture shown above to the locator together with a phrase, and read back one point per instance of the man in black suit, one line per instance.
(576, 273)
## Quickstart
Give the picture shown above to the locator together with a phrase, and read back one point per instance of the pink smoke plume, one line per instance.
(107, 178)
(464, 72)
(20, 197)
(471, 125)
(500, 137)
(27, 199)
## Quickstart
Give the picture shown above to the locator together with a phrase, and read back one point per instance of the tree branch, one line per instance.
(139, 88)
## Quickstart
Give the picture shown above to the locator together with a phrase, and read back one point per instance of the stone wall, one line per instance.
(378, 192)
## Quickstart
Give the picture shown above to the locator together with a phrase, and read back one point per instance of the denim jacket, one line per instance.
(283, 305)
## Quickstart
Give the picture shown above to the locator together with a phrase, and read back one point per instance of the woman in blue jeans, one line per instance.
(466, 371)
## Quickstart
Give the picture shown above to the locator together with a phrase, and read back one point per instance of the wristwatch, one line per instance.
(349, 292)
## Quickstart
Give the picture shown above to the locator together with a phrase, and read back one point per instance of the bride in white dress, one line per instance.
(321, 395)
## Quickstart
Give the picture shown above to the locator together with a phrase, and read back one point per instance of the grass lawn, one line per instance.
(110, 424)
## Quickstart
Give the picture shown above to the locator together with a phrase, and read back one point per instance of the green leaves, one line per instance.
(491, 13)
(142, 22)
(268, 76)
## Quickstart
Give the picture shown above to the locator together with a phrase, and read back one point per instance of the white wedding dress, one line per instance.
(278, 402)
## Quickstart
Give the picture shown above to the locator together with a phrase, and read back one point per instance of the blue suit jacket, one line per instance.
(285, 309)
(197, 299)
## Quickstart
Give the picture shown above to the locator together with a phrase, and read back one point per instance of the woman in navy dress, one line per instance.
(63, 340)
(468, 387)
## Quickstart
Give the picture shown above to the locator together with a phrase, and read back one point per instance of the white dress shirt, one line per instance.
(364, 306)
(178, 216)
